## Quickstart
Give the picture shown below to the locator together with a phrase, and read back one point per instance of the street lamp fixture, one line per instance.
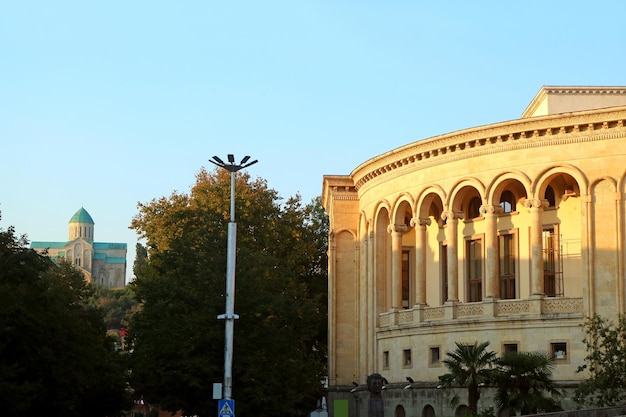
(230, 316)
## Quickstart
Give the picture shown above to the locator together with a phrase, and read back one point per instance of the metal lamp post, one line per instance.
(230, 315)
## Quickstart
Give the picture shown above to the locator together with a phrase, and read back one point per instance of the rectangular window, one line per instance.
(443, 263)
(559, 351)
(509, 347)
(405, 279)
(435, 356)
(406, 358)
(507, 260)
(552, 276)
(474, 250)
(386, 359)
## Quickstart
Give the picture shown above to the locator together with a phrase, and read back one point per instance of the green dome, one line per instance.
(81, 216)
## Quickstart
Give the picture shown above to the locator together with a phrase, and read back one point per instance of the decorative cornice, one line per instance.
(585, 126)
(586, 90)
(546, 91)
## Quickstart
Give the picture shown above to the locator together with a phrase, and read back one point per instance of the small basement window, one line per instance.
(406, 357)
(509, 347)
(559, 350)
(435, 356)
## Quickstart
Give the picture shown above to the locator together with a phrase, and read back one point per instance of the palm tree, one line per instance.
(524, 382)
(469, 365)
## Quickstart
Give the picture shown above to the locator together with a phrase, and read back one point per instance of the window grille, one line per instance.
(552, 264)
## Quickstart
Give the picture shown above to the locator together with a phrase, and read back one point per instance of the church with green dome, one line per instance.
(102, 263)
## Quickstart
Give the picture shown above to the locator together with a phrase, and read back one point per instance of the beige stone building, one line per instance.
(103, 264)
(510, 233)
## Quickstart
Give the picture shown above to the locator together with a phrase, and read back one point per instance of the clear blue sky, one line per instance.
(106, 104)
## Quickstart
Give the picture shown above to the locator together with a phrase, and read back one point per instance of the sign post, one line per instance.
(226, 408)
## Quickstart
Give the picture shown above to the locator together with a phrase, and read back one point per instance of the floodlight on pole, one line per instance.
(230, 316)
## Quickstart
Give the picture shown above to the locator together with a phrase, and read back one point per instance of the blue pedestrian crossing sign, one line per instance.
(226, 408)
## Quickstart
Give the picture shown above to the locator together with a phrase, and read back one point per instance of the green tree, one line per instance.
(141, 257)
(55, 357)
(524, 383)
(470, 366)
(116, 305)
(279, 344)
(605, 362)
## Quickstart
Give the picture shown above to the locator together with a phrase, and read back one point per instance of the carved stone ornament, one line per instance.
(452, 215)
(420, 221)
(536, 203)
(490, 209)
(401, 228)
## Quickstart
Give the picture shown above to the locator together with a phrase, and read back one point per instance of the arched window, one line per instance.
(507, 201)
(550, 196)
(428, 411)
(461, 410)
(473, 209)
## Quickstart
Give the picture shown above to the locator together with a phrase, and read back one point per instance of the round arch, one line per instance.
(428, 411)
(337, 232)
(610, 180)
(461, 411)
(503, 180)
(427, 198)
(364, 225)
(400, 209)
(399, 411)
(382, 259)
(380, 206)
(540, 184)
(621, 185)
(461, 190)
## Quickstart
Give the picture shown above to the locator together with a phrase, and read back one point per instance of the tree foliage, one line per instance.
(116, 305)
(279, 343)
(470, 366)
(605, 362)
(55, 357)
(524, 383)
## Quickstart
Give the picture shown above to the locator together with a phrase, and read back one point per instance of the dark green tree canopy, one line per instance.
(470, 366)
(523, 380)
(524, 383)
(55, 358)
(280, 297)
(116, 305)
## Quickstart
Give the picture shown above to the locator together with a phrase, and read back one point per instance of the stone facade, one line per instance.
(103, 264)
(510, 233)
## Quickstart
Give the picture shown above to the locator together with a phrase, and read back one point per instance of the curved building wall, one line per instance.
(510, 233)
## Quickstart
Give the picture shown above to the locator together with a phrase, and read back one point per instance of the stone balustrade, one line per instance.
(489, 308)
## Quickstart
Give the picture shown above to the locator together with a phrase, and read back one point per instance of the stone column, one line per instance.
(420, 224)
(536, 245)
(452, 221)
(363, 307)
(619, 210)
(490, 212)
(332, 372)
(396, 231)
(372, 307)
